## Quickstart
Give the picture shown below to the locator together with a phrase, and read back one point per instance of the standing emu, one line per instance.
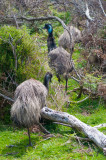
(29, 99)
(59, 58)
(64, 39)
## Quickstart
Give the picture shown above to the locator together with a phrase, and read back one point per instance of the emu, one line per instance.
(64, 39)
(59, 58)
(29, 99)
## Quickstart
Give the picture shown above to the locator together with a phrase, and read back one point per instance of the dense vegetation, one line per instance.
(28, 44)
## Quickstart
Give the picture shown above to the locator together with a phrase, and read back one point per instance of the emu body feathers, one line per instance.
(64, 39)
(51, 43)
(30, 97)
(60, 61)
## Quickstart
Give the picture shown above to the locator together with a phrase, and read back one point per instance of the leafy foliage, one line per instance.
(25, 49)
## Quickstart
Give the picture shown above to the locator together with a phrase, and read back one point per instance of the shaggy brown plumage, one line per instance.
(64, 39)
(60, 61)
(29, 99)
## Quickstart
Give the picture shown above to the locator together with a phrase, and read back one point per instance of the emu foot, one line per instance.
(29, 145)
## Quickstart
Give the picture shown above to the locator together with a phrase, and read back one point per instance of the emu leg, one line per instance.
(43, 129)
(72, 50)
(66, 83)
(30, 144)
(58, 78)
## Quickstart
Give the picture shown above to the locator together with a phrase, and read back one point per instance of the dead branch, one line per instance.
(44, 18)
(62, 124)
(74, 67)
(7, 98)
(54, 101)
(87, 13)
(80, 93)
(100, 125)
(82, 139)
(85, 91)
(92, 133)
(15, 19)
(75, 79)
(101, 6)
(78, 101)
(78, 139)
(5, 92)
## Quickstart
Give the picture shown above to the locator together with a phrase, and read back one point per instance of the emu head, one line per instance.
(49, 28)
(47, 79)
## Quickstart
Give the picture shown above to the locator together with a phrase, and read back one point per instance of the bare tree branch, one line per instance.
(15, 19)
(78, 101)
(7, 98)
(14, 50)
(87, 13)
(54, 101)
(44, 18)
(100, 3)
(75, 79)
(62, 124)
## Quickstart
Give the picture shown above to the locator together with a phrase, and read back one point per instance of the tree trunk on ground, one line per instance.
(92, 133)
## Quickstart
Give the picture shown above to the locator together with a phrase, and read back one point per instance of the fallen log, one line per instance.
(92, 133)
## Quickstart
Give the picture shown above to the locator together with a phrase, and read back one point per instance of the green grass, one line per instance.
(61, 147)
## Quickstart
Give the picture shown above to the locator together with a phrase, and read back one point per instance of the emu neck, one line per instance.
(50, 42)
(46, 82)
(50, 34)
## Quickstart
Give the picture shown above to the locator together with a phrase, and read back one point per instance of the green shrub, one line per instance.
(28, 63)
